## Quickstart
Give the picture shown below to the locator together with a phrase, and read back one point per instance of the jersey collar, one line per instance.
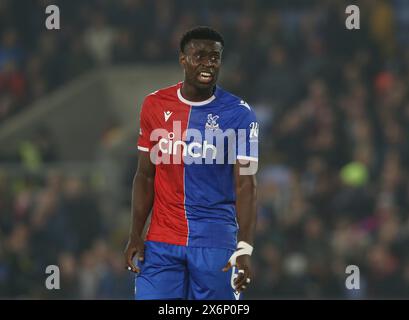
(194, 103)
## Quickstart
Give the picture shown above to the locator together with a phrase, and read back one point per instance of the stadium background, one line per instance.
(333, 107)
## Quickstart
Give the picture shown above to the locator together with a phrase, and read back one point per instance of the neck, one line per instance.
(195, 94)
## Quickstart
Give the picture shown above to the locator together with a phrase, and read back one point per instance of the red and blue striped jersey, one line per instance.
(194, 146)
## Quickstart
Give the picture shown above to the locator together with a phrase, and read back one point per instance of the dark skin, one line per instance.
(198, 56)
(142, 202)
(246, 195)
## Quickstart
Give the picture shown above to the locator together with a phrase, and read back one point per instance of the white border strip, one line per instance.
(184, 185)
(143, 149)
(195, 103)
(247, 158)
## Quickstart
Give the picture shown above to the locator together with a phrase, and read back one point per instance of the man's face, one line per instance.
(201, 61)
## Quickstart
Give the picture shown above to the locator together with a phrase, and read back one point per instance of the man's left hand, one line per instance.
(243, 266)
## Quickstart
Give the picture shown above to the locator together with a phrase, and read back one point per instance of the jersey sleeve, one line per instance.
(247, 142)
(145, 127)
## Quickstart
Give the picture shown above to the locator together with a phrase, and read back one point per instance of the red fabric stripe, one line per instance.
(169, 223)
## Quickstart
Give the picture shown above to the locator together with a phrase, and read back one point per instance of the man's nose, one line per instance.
(208, 62)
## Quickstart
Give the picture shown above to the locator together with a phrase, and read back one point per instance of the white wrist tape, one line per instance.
(242, 249)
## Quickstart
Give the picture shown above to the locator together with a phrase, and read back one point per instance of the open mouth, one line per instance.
(205, 77)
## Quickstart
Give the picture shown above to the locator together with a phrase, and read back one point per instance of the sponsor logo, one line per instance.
(213, 147)
(193, 149)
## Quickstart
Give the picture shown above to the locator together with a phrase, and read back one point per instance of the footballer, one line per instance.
(203, 210)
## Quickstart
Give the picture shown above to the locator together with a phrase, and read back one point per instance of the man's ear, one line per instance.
(182, 59)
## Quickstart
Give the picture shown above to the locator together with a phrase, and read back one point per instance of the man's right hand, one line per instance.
(135, 246)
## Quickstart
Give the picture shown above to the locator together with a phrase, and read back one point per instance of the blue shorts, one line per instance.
(180, 272)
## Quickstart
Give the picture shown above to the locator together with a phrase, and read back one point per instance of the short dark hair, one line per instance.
(201, 32)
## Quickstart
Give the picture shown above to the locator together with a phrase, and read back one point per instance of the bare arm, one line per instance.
(246, 210)
(142, 194)
(246, 197)
(142, 202)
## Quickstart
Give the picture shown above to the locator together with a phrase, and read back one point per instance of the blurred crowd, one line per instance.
(55, 219)
(333, 107)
